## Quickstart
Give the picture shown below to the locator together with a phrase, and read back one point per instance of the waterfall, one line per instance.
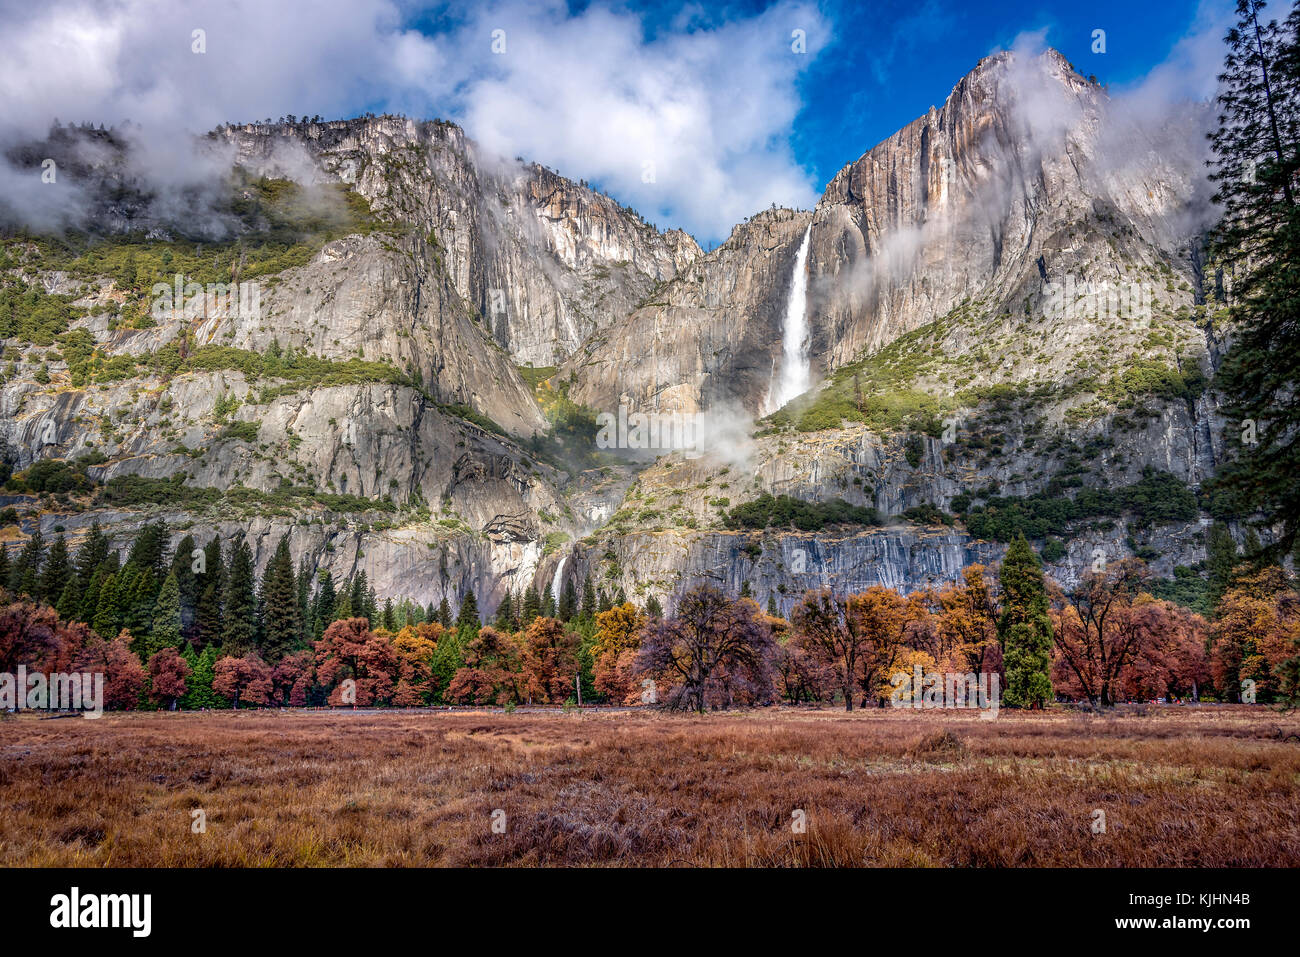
(796, 371)
(558, 581)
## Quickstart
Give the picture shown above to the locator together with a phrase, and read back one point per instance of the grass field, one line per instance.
(1179, 787)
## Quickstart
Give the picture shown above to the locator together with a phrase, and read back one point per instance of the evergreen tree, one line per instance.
(282, 625)
(1220, 561)
(199, 693)
(239, 604)
(166, 630)
(548, 602)
(603, 603)
(444, 612)
(568, 601)
(140, 600)
(211, 587)
(372, 607)
(305, 608)
(357, 598)
(5, 566)
(505, 615)
(652, 607)
(107, 621)
(1025, 629)
(468, 622)
(1256, 169)
(389, 616)
(588, 612)
(188, 583)
(57, 572)
(91, 554)
(69, 604)
(323, 606)
(532, 607)
(772, 610)
(25, 575)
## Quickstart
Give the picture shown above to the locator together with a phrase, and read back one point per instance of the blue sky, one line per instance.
(696, 115)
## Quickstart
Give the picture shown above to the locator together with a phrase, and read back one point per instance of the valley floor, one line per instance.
(1211, 786)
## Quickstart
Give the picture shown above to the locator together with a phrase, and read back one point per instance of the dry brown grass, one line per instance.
(1212, 787)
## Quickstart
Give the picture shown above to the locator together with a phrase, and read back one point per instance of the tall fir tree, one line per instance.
(568, 605)
(1221, 558)
(182, 566)
(25, 573)
(532, 607)
(323, 605)
(588, 610)
(468, 622)
(548, 602)
(444, 612)
(211, 583)
(107, 621)
(304, 582)
(504, 620)
(1257, 170)
(166, 630)
(282, 624)
(57, 571)
(1025, 629)
(91, 554)
(239, 604)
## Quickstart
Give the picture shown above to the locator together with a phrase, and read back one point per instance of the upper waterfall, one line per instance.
(796, 370)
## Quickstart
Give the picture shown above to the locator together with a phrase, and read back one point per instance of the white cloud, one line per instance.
(593, 95)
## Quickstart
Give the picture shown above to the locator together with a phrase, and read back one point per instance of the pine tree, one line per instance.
(91, 554)
(282, 625)
(323, 606)
(772, 610)
(588, 612)
(25, 575)
(388, 616)
(211, 588)
(5, 566)
(304, 601)
(199, 693)
(188, 582)
(568, 601)
(1256, 168)
(548, 602)
(532, 607)
(358, 594)
(166, 630)
(1221, 561)
(468, 622)
(1025, 629)
(652, 607)
(505, 615)
(444, 612)
(107, 621)
(57, 571)
(239, 604)
(69, 604)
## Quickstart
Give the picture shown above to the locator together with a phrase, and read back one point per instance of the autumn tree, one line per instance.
(715, 651)
(857, 637)
(168, 672)
(246, 679)
(1098, 631)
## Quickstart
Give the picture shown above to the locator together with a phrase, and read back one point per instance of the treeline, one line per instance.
(203, 612)
(213, 637)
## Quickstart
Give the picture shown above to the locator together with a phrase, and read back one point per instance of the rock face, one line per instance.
(544, 261)
(966, 226)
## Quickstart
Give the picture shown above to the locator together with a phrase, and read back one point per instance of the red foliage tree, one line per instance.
(246, 679)
(167, 674)
(124, 675)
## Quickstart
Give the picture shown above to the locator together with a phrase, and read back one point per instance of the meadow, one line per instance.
(1184, 787)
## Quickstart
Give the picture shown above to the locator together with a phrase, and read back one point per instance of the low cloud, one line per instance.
(690, 124)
